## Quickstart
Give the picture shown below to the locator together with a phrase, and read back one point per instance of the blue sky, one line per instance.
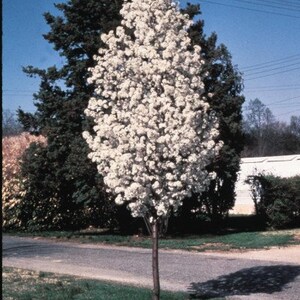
(264, 41)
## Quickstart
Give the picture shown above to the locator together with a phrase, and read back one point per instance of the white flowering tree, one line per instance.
(154, 134)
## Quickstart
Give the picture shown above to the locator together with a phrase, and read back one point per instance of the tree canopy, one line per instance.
(61, 170)
(154, 131)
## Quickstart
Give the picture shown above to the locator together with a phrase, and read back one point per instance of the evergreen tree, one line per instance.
(61, 170)
(63, 188)
(223, 89)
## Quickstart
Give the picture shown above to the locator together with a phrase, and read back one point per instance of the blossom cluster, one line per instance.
(154, 132)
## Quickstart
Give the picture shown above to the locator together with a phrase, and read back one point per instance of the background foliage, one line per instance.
(224, 83)
(13, 185)
(265, 136)
(277, 200)
(10, 124)
(63, 188)
(62, 184)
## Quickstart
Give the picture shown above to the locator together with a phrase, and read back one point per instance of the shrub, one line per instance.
(12, 183)
(276, 199)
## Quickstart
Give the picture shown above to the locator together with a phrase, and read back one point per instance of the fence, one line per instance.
(283, 166)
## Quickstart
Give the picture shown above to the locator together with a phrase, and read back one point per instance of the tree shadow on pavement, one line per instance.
(261, 279)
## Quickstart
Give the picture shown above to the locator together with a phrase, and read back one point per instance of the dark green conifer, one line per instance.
(63, 188)
(224, 82)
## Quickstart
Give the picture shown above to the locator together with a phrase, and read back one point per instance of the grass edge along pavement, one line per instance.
(26, 284)
(225, 242)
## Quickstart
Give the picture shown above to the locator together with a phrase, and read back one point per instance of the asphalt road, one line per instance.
(207, 275)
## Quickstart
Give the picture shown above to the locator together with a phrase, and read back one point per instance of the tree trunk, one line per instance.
(155, 271)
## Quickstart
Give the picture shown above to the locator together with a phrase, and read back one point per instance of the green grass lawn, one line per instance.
(29, 285)
(225, 242)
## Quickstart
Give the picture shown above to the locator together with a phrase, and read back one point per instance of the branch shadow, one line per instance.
(260, 279)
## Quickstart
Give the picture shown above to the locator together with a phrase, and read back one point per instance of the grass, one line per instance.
(224, 242)
(30, 285)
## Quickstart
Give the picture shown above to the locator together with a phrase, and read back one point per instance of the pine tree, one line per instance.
(63, 188)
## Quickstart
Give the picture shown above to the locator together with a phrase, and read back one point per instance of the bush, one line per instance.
(54, 200)
(13, 189)
(276, 199)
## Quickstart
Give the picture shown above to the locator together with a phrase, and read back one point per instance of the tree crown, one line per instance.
(154, 132)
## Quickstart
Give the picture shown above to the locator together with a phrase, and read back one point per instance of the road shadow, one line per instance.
(260, 279)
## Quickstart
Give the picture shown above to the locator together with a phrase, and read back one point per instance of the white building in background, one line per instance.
(283, 166)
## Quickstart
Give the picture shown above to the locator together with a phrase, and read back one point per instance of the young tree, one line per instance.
(154, 132)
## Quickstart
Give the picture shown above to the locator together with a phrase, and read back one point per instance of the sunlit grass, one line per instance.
(24, 285)
(242, 240)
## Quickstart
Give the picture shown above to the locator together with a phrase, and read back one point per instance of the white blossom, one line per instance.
(154, 134)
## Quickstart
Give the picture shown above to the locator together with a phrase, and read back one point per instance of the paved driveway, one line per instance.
(236, 276)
